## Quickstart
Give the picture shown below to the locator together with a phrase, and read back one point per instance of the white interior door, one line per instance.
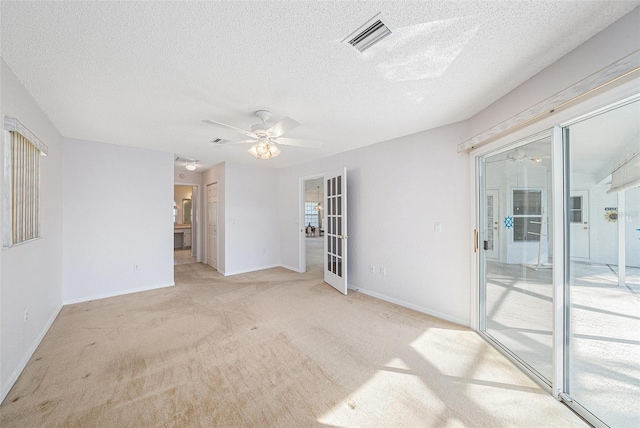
(195, 218)
(493, 217)
(335, 244)
(212, 225)
(579, 226)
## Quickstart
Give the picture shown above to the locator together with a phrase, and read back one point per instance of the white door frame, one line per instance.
(195, 221)
(302, 243)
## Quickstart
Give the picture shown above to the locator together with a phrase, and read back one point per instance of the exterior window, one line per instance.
(575, 209)
(22, 186)
(527, 215)
(310, 214)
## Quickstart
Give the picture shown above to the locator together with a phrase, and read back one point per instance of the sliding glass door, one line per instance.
(516, 285)
(602, 332)
(566, 308)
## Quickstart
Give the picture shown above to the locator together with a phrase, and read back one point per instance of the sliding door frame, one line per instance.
(562, 342)
(480, 259)
(558, 126)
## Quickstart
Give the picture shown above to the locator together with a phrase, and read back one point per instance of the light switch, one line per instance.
(437, 227)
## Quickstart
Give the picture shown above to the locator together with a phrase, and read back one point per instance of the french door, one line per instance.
(335, 244)
(561, 296)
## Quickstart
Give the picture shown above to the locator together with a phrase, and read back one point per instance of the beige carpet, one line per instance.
(272, 348)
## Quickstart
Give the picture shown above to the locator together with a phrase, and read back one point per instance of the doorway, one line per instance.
(185, 224)
(313, 230)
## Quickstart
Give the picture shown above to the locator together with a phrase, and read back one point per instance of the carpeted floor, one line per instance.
(183, 257)
(271, 348)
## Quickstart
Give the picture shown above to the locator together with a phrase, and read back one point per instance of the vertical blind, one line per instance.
(25, 189)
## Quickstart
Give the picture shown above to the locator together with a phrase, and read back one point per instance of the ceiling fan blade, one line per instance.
(231, 143)
(285, 124)
(233, 128)
(312, 144)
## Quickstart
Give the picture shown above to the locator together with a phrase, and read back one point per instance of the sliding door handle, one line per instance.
(475, 240)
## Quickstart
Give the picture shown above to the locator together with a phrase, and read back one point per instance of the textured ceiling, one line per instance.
(146, 74)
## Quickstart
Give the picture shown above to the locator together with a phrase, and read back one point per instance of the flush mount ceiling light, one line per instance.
(264, 149)
(191, 165)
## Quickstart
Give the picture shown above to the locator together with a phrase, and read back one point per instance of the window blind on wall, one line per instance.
(25, 189)
(22, 154)
(626, 176)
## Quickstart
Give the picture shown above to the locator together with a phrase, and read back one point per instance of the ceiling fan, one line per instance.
(518, 156)
(264, 136)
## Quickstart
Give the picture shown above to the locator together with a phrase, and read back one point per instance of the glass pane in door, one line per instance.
(603, 319)
(517, 286)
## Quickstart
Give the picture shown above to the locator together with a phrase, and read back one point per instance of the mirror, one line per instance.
(186, 211)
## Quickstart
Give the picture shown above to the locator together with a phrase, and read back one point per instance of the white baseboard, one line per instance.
(412, 306)
(116, 293)
(254, 269)
(295, 269)
(25, 359)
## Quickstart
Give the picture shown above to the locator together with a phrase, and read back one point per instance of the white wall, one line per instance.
(610, 45)
(30, 274)
(118, 212)
(251, 210)
(397, 191)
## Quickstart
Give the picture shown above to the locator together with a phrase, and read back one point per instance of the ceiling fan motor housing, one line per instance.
(260, 129)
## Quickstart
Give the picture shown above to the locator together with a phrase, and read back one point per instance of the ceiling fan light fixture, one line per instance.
(264, 150)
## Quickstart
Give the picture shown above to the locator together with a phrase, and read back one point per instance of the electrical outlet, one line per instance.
(383, 270)
(26, 314)
(372, 268)
(136, 268)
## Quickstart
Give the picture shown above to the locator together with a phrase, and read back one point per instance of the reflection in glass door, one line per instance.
(516, 283)
(603, 309)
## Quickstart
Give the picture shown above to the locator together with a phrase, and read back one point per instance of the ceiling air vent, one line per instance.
(220, 141)
(370, 33)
